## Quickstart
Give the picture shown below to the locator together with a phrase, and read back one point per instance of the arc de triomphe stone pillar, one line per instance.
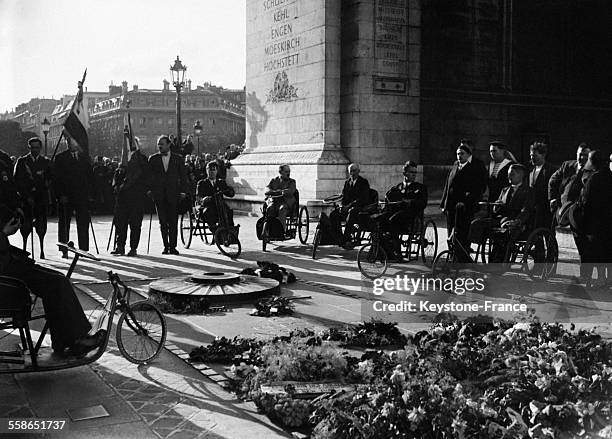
(329, 82)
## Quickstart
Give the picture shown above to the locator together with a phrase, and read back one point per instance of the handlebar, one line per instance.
(116, 282)
(333, 199)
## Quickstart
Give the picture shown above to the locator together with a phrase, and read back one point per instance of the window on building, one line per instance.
(160, 121)
(142, 122)
(170, 122)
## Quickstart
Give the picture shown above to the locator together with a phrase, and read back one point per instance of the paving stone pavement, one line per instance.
(169, 398)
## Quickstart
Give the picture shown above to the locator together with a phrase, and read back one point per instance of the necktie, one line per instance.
(532, 178)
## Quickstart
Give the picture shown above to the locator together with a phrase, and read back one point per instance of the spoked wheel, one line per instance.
(265, 235)
(444, 265)
(141, 332)
(372, 260)
(483, 250)
(429, 243)
(187, 228)
(316, 241)
(227, 242)
(540, 254)
(303, 224)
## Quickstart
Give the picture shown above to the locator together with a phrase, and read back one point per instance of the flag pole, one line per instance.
(80, 87)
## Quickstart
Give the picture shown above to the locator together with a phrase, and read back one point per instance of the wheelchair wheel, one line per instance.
(141, 332)
(444, 265)
(303, 224)
(372, 260)
(483, 251)
(316, 241)
(429, 243)
(227, 242)
(540, 254)
(187, 228)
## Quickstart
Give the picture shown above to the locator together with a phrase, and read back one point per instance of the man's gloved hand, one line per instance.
(11, 226)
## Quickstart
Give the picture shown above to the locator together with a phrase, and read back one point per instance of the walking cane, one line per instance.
(111, 234)
(150, 221)
(94, 235)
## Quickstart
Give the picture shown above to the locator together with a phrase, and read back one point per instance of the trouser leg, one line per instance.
(172, 214)
(64, 214)
(121, 223)
(162, 216)
(135, 221)
(63, 311)
(82, 220)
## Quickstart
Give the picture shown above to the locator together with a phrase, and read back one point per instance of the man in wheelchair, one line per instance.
(280, 196)
(406, 202)
(355, 198)
(67, 322)
(511, 214)
(207, 190)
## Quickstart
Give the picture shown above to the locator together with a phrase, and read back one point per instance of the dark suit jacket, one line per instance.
(358, 193)
(543, 216)
(168, 184)
(33, 177)
(596, 200)
(497, 183)
(207, 189)
(464, 186)
(133, 181)
(560, 179)
(73, 178)
(519, 206)
(414, 196)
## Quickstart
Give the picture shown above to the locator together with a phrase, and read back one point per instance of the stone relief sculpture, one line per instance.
(282, 90)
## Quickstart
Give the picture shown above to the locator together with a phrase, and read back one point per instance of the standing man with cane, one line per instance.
(32, 177)
(73, 174)
(130, 183)
(168, 187)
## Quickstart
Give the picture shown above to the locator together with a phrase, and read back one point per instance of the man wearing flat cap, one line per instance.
(465, 185)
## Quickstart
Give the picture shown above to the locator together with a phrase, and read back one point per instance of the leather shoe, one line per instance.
(173, 251)
(118, 252)
(132, 252)
(88, 343)
(64, 255)
(166, 251)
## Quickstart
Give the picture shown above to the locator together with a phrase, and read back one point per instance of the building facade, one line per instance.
(153, 112)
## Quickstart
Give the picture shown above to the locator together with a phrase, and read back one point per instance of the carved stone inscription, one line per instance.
(391, 37)
(282, 47)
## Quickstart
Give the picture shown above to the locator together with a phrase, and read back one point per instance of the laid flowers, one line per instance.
(478, 378)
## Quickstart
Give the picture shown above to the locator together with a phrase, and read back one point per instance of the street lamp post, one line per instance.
(178, 77)
(45, 129)
(197, 129)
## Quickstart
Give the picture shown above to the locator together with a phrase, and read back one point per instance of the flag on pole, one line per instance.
(128, 136)
(77, 122)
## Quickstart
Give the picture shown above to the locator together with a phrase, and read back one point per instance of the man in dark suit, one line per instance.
(465, 184)
(74, 183)
(538, 178)
(409, 199)
(130, 183)
(514, 210)
(280, 195)
(33, 178)
(498, 169)
(169, 185)
(355, 196)
(565, 185)
(207, 188)
(64, 314)
(596, 223)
